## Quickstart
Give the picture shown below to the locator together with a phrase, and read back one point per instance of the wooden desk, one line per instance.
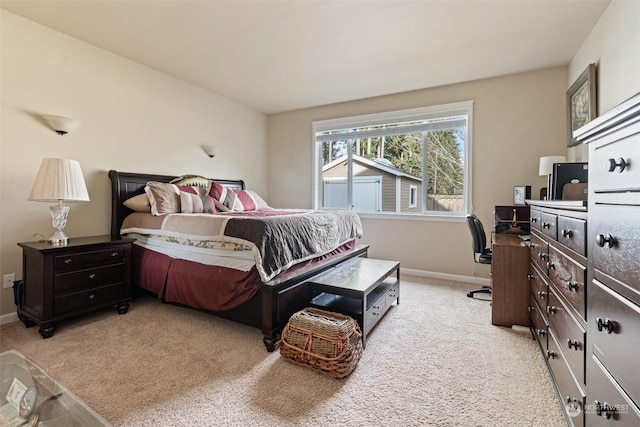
(509, 283)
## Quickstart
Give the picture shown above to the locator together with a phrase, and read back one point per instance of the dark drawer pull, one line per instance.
(567, 233)
(573, 404)
(604, 409)
(68, 261)
(551, 354)
(551, 309)
(534, 219)
(551, 266)
(542, 256)
(92, 297)
(114, 254)
(573, 286)
(619, 164)
(606, 325)
(542, 332)
(546, 225)
(608, 240)
(541, 294)
(574, 343)
(92, 276)
(530, 277)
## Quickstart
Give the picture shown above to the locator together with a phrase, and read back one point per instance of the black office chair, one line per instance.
(481, 254)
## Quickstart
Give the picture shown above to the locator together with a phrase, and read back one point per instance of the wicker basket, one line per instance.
(325, 341)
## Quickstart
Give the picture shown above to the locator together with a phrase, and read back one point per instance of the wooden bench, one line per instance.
(362, 288)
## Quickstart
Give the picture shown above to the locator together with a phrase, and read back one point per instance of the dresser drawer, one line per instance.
(569, 333)
(536, 220)
(539, 287)
(572, 232)
(605, 168)
(569, 277)
(568, 388)
(539, 252)
(86, 259)
(549, 225)
(89, 278)
(616, 242)
(614, 331)
(89, 299)
(607, 404)
(538, 323)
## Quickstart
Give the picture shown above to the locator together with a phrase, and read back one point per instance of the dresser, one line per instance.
(557, 297)
(61, 282)
(613, 285)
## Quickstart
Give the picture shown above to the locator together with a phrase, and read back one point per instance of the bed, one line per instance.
(244, 270)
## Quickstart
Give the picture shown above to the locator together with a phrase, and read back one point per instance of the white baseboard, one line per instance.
(444, 276)
(8, 318)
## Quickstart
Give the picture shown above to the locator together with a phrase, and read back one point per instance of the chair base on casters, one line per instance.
(483, 290)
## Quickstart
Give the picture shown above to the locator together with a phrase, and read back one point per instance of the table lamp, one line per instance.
(546, 168)
(59, 180)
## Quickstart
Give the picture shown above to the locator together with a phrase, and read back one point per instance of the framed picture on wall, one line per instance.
(521, 193)
(581, 102)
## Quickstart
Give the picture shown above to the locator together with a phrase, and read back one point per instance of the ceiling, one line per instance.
(284, 55)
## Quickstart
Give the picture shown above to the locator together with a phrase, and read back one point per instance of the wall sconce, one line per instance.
(546, 168)
(62, 125)
(59, 180)
(210, 150)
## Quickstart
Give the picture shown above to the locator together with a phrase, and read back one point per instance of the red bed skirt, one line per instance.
(207, 287)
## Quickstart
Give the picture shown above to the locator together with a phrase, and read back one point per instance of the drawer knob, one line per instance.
(534, 219)
(530, 277)
(573, 343)
(618, 164)
(551, 266)
(551, 354)
(573, 286)
(604, 409)
(567, 233)
(542, 255)
(546, 225)
(606, 325)
(92, 297)
(92, 276)
(542, 332)
(551, 309)
(530, 309)
(114, 254)
(68, 261)
(541, 294)
(607, 240)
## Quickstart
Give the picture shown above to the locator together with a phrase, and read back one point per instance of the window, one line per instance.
(413, 196)
(409, 162)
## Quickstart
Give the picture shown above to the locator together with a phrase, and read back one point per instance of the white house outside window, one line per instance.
(409, 162)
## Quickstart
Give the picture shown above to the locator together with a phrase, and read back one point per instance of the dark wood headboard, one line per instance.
(125, 185)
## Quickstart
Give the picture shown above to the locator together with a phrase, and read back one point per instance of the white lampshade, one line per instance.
(59, 180)
(546, 164)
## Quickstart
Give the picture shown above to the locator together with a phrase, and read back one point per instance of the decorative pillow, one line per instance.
(163, 198)
(194, 203)
(201, 183)
(139, 203)
(220, 193)
(243, 201)
(261, 205)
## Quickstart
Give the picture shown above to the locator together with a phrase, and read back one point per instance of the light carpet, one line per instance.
(433, 360)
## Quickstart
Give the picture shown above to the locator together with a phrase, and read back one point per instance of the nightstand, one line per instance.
(61, 282)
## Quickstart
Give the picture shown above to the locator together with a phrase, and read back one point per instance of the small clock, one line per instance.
(521, 193)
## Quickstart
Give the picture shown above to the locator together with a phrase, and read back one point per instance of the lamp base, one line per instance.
(59, 215)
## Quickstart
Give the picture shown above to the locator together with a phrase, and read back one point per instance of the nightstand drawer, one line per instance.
(84, 260)
(572, 233)
(89, 278)
(88, 299)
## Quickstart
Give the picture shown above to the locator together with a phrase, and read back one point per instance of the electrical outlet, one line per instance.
(8, 280)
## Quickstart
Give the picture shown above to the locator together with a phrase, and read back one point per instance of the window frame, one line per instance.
(407, 115)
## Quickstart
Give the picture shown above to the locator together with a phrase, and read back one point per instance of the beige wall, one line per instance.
(517, 119)
(134, 119)
(614, 46)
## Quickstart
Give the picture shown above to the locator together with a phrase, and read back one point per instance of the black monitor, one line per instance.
(565, 173)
